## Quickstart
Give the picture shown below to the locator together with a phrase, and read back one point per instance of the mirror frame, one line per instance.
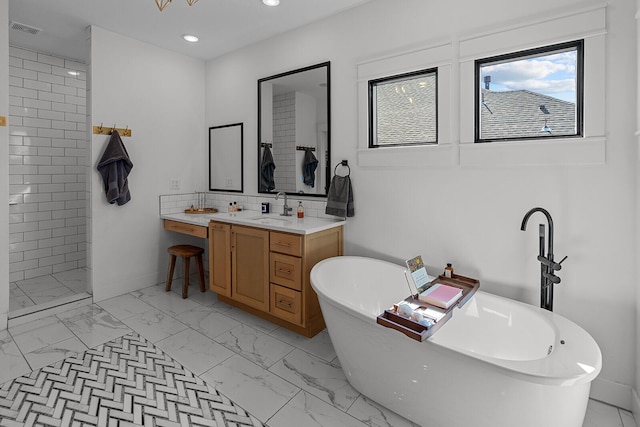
(327, 171)
(213, 130)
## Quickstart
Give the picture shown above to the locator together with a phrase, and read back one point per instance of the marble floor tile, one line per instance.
(207, 321)
(36, 283)
(93, 325)
(47, 294)
(54, 353)
(320, 345)
(600, 415)
(76, 280)
(627, 418)
(125, 306)
(374, 415)
(11, 359)
(253, 388)
(251, 320)
(168, 302)
(195, 351)
(317, 377)
(154, 325)
(307, 410)
(40, 333)
(254, 345)
(19, 302)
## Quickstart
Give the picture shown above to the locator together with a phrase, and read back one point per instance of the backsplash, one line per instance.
(177, 203)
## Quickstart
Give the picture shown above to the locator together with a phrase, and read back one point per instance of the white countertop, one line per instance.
(271, 221)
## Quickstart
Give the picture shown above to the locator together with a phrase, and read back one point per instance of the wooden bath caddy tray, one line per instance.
(200, 211)
(419, 332)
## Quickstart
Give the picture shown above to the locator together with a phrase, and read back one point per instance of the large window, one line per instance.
(403, 109)
(531, 94)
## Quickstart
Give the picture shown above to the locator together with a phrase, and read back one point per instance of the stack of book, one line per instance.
(441, 295)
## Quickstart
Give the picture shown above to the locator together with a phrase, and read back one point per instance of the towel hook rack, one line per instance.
(344, 163)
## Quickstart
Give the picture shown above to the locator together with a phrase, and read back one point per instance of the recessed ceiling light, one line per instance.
(271, 2)
(190, 38)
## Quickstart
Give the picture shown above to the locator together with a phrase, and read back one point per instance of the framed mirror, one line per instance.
(294, 132)
(225, 158)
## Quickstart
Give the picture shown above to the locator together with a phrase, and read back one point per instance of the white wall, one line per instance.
(158, 95)
(4, 160)
(470, 216)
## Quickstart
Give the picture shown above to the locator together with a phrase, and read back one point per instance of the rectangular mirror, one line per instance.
(225, 158)
(294, 132)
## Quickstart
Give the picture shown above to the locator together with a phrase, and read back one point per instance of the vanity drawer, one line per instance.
(285, 243)
(286, 303)
(184, 228)
(286, 270)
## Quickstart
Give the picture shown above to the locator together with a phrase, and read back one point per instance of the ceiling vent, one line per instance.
(24, 28)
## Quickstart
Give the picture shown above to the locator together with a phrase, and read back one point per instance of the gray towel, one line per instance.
(309, 168)
(267, 166)
(340, 197)
(114, 166)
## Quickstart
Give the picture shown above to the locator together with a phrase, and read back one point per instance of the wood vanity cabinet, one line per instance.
(266, 272)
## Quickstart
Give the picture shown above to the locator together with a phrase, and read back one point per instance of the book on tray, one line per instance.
(441, 295)
(418, 273)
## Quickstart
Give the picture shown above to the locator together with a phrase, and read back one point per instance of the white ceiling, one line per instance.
(221, 25)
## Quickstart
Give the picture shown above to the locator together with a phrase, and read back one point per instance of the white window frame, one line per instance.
(431, 55)
(588, 24)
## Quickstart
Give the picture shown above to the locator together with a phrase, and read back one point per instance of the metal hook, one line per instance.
(100, 129)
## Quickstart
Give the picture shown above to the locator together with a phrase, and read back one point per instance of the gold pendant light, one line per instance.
(162, 4)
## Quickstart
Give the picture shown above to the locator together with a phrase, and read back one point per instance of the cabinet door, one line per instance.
(220, 258)
(250, 272)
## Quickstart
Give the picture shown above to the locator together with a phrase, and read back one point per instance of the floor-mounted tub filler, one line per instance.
(496, 362)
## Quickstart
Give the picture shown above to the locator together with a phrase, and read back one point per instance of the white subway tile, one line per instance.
(23, 246)
(64, 143)
(18, 229)
(37, 179)
(51, 60)
(50, 96)
(22, 266)
(66, 213)
(15, 140)
(14, 61)
(77, 100)
(51, 133)
(53, 115)
(16, 179)
(16, 81)
(37, 272)
(70, 134)
(37, 197)
(64, 196)
(37, 160)
(61, 106)
(35, 141)
(21, 72)
(37, 85)
(37, 216)
(65, 249)
(61, 124)
(23, 53)
(65, 231)
(38, 123)
(49, 261)
(15, 121)
(48, 243)
(66, 266)
(15, 159)
(23, 92)
(66, 90)
(37, 253)
(23, 111)
(50, 188)
(75, 65)
(78, 186)
(37, 235)
(50, 206)
(64, 178)
(75, 256)
(37, 103)
(36, 66)
(50, 78)
(15, 100)
(46, 225)
(64, 161)
(78, 238)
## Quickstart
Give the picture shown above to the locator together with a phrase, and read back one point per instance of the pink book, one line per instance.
(441, 295)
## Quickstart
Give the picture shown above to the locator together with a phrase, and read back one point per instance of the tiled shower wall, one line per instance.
(284, 139)
(47, 164)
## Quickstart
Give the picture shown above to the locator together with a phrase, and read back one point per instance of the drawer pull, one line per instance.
(285, 305)
(282, 270)
(282, 244)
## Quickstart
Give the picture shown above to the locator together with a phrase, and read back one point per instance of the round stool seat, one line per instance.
(185, 252)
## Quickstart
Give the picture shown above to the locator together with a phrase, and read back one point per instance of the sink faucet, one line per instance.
(547, 264)
(287, 209)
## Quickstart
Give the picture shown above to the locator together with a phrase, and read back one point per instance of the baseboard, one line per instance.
(635, 403)
(613, 393)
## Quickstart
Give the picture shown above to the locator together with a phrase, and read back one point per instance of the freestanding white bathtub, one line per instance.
(497, 362)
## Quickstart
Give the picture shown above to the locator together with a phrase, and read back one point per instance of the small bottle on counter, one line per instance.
(448, 270)
(230, 207)
(300, 210)
(235, 207)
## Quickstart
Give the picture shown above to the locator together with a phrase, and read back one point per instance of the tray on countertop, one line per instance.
(391, 319)
(193, 211)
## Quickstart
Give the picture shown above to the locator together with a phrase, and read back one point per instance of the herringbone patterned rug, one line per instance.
(125, 382)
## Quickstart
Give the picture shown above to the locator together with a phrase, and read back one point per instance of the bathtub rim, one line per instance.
(561, 367)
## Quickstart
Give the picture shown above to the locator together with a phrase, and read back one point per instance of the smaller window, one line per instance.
(532, 94)
(403, 109)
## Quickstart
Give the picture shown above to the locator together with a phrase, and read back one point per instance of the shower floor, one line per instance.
(45, 290)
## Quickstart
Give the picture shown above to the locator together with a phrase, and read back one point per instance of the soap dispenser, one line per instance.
(300, 210)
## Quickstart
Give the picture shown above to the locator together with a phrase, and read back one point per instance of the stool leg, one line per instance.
(172, 265)
(201, 272)
(185, 286)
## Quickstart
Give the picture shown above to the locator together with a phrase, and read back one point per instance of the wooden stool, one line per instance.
(186, 252)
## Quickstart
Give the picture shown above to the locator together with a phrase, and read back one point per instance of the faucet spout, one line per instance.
(547, 264)
(286, 208)
(546, 213)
